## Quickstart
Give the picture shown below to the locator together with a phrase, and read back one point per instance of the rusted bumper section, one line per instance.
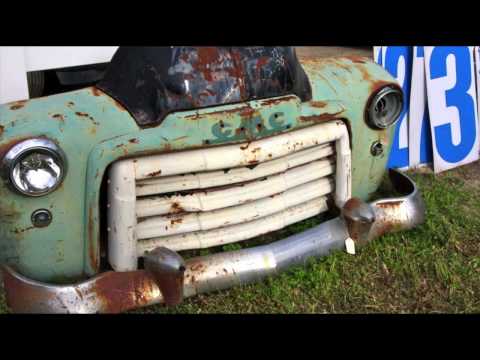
(168, 278)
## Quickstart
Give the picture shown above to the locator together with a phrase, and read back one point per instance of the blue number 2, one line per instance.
(399, 156)
(458, 97)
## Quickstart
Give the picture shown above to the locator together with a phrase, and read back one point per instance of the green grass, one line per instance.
(3, 306)
(432, 269)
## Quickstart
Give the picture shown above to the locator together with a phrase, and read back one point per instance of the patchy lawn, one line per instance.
(432, 269)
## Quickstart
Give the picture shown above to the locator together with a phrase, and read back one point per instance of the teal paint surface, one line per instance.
(94, 131)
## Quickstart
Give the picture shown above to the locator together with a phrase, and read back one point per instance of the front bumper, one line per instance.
(168, 279)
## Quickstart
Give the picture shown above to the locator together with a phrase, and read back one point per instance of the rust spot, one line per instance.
(389, 204)
(83, 114)
(352, 204)
(244, 111)
(376, 85)
(176, 208)
(318, 104)
(2, 129)
(245, 147)
(96, 91)
(155, 173)
(70, 104)
(357, 59)
(197, 267)
(92, 249)
(122, 291)
(383, 136)
(133, 141)
(365, 73)
(176, 221)
(79, 293)
(58, 117)
(195, 116)
(262, 61)
(207, 56)
(247, 112)
(321, 117)
(17, 105)
(277, 101)
(239, 130)
(20, 231)
(21, 296)
(384, 227)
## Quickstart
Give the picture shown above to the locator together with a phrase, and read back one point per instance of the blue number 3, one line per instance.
(458, 97)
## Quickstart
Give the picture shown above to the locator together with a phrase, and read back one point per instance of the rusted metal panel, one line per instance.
(53, 253)
(352, 81)
(154, 81)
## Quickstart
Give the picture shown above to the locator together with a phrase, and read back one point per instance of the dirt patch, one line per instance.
(469, 173)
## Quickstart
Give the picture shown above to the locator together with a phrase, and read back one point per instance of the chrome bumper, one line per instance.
(168, 279)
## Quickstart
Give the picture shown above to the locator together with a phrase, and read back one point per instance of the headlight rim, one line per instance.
(377, 95)
(24, 148)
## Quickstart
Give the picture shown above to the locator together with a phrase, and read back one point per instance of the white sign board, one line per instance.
(452, 104)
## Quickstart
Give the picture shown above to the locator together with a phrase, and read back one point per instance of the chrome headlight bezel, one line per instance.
(26, 147)
(391, 96)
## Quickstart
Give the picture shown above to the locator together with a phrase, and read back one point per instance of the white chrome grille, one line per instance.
(219, 195)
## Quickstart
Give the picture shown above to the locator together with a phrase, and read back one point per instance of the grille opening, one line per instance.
(263, 239)
(103, 210)
(178, 212)
(213, 198)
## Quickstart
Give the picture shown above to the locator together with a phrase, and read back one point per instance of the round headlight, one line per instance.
(34, 167)
(385, 107)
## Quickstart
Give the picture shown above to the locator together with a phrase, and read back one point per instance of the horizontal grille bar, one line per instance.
(229, 156)
(167, 184)
(239, 232)
(189, 222)
(235, 195)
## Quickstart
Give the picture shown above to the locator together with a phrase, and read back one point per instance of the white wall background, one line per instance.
(16, 61)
